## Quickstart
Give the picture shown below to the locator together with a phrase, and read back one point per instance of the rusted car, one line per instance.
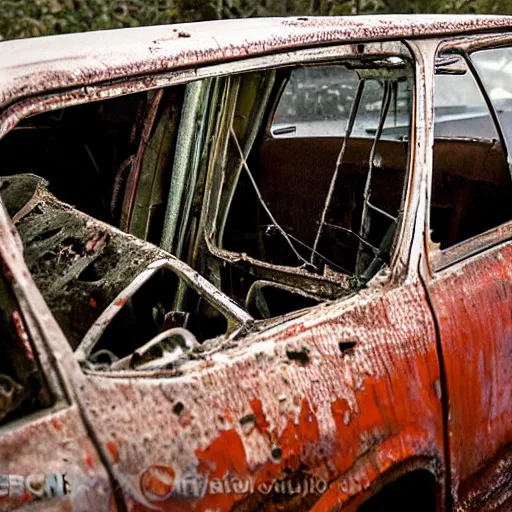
(258, 265)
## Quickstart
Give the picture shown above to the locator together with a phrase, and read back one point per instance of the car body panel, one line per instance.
(51, 442)
(472, 301)
(349, 389)
(468, 287)
(55, 444)
(346, 396)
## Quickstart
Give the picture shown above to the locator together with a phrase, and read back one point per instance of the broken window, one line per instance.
(317, 100)
(94, 155)
(308, 204)
(270, 223)
(472, 188)
(111, 293)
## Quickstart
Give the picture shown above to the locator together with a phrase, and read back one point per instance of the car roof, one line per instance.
(31, 66)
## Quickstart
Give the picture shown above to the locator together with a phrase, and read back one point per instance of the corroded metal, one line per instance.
(52, 441)
(30, 66)
(238, 318)
(135, 168)
(412, 372)
(60, 240)
(182, 167)
(261, 412)
(114, 88)
(472, 304)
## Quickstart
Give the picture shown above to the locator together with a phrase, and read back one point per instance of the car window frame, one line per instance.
(459, 253)
(13, 114)
(345, 52)
(399, 269)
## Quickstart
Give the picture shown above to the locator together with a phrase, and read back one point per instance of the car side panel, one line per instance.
(334, 398)
(48, 461)
(43, 451)
(472, 302)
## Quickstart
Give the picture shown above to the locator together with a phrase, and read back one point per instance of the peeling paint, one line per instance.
(333, 400)
(49, 63)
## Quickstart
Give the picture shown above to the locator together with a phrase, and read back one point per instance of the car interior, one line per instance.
(304, 209)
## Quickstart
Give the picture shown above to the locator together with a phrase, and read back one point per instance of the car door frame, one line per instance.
(405, 262)
(55, 441)
(404, 269)
(474, 491)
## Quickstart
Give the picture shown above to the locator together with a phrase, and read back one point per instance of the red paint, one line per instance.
(261, 423)
(112, 448)
(300, 436)
(57, 424)
(22, 334)
(89, 461)
(472, 302)
(96, 242)
(226, 454)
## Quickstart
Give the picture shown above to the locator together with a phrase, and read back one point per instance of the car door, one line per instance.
(317, 408)
(317, 412)
(47, 458)
(470, 287)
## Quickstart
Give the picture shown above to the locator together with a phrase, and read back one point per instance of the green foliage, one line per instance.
(20, 18)
(27, 18)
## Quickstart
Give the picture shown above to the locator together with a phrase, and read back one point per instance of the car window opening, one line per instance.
(247, 226)
(350, 233)
(472, 186)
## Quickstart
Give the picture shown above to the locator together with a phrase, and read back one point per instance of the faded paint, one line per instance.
(53, 440)
(56, 443)
(262, 414)
(350, 391)
(472, 304)
(31, 66)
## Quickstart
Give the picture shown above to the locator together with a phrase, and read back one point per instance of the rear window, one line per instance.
(316, 101)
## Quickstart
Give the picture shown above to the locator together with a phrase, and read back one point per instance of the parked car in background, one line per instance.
(258, 265)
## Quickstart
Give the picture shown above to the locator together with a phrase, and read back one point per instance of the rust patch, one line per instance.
(112, 448)
(257, 419)
(22, 334)
(95, 57)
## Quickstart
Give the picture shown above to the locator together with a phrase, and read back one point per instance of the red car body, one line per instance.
(324, 410)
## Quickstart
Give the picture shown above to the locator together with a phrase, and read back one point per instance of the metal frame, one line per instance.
(236, 317)
(14, 114)
(439, 260)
